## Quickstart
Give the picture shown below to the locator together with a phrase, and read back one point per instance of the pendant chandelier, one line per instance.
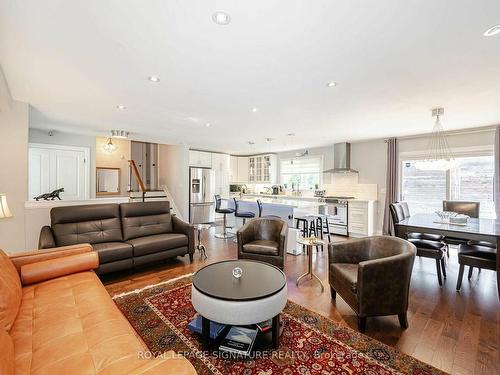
(438, 156)
(109, 146)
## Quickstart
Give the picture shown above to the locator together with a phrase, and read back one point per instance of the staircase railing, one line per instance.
(173, 207)
(137, 175)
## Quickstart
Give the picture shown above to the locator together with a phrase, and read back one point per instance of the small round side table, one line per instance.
(199, 246)
(309, 243)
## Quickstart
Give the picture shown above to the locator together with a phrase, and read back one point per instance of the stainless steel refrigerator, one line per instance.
(201, 195)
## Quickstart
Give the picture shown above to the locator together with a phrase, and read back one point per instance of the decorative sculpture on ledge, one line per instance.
(53, 195)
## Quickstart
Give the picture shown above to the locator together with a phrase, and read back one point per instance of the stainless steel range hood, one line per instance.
(341, 159)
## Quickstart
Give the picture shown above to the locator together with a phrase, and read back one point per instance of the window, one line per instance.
(471, 179)
(301, 173)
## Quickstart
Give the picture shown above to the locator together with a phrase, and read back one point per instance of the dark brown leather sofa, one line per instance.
(372, 275)
(263, 239)
(124, 235)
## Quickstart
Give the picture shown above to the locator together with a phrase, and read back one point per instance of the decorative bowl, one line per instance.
(445, 215)
(459, 219)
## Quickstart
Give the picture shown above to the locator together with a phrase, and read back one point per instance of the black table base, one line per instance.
(264, 340)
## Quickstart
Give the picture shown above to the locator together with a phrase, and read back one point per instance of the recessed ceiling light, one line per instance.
(208, 124)
(121, 107)
(154, 78)
(254, 109)
(492, 31)
(221, 18)
(331, 84)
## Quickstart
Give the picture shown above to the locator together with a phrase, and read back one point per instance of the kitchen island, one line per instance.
(283, 206)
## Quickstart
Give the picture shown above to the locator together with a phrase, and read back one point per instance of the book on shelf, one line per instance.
(239, 340)
(215, 328)
(265, 326)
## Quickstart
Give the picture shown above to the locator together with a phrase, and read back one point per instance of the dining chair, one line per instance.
(470, 209)
(474, 255)
(426, 247)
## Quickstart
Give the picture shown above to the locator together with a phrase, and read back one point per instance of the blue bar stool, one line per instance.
(259, 204)
(224, 211)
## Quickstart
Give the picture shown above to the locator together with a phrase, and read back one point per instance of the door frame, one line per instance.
(86, 151)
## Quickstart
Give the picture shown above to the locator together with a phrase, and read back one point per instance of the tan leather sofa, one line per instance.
(57, 318)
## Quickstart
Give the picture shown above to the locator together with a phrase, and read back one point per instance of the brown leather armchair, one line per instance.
(372, 275)
(263, 239)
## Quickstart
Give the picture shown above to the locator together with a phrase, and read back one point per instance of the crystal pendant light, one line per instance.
(438, 156)
(109, 146)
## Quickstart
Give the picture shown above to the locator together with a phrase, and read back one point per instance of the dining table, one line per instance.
(476, 229)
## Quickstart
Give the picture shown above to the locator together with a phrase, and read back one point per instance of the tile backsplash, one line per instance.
(347, 185)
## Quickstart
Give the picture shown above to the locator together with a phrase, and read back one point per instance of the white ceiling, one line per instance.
(75, 61)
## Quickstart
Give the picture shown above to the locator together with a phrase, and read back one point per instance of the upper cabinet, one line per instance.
(239, 169)
(242, 175)
(262, 169)
(221, 165)
(200, 159)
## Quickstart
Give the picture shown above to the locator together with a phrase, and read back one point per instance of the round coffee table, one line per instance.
(258, 295)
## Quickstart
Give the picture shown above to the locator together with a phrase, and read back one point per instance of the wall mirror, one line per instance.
(108, 181)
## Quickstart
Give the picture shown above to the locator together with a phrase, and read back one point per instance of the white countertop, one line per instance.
(286, 201)
(296, 198)
(282, 196)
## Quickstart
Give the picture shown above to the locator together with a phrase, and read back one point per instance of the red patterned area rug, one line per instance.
(310, 343)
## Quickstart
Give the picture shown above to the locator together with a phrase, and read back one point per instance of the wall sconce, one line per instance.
(109, 146)
(4, 207)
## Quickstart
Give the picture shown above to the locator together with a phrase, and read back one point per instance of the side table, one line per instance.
(309, 243)
(199, 246)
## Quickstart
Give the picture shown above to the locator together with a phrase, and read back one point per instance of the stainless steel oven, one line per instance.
(337, 210)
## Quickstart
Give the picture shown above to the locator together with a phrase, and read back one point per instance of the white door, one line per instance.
(54, 167)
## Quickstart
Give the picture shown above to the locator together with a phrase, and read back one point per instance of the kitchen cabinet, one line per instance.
(361, 218)
(238, 169)
(221, 165)
(233, 167)
(200, 159)
(262, 169)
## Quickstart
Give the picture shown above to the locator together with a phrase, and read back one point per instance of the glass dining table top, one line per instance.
(489, 227)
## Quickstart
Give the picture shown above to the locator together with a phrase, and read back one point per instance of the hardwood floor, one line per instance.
(455, 332)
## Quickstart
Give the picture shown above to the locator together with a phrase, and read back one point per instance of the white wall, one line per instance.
(369, 159)
(173, 172)
(67, 139)
(14, 119)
